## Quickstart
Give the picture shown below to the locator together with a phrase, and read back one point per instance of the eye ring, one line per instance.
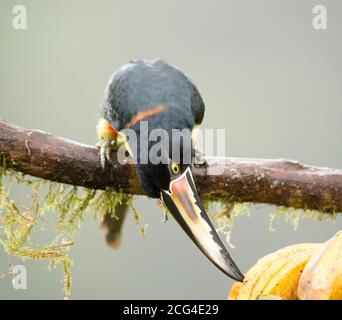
(175, 168)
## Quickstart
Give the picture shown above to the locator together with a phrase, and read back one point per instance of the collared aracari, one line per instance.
(166, 98)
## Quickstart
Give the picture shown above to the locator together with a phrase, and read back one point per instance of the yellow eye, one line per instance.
(175, 168)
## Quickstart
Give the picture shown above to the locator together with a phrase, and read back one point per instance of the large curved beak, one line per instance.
(185, 205)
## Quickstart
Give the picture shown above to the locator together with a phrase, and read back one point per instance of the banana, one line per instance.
(285, 283)
(265, 277)
(322, 276)
(255, 272)
(234, 291)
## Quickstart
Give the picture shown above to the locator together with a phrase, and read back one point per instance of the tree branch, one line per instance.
(278, 182)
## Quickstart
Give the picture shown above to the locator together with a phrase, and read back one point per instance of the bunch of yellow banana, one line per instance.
(301, 271)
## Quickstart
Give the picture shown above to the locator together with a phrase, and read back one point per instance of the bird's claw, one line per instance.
(105, 147)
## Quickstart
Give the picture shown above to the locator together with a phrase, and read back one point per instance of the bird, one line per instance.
(166, 100)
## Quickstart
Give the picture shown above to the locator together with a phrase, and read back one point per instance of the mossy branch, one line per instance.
(278, 182)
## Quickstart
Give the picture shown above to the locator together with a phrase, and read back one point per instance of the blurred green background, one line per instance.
(267, 77)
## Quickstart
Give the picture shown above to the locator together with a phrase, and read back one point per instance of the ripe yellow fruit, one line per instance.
(285, 283)
(276, 274)
(234, 291)
(322, 276)
(301, 271)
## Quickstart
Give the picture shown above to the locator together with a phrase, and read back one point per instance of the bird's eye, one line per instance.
(175, 168)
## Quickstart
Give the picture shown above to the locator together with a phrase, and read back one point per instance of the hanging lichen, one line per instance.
(223, 213)
(18, 221)
(225, 210)
(293, 216)
(137, 218)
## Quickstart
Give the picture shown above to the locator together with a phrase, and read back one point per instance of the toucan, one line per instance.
(164, 98)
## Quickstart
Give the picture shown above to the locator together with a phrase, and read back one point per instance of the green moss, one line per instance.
(293, 216)
(137, 218)
(222, 212)
(18, 221)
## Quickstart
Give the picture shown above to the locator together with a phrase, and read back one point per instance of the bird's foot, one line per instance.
(105, 147)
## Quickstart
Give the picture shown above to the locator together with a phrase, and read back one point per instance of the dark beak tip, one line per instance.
(240, 278)
(236, 275)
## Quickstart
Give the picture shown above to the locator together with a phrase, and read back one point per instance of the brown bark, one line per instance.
(278, 182)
